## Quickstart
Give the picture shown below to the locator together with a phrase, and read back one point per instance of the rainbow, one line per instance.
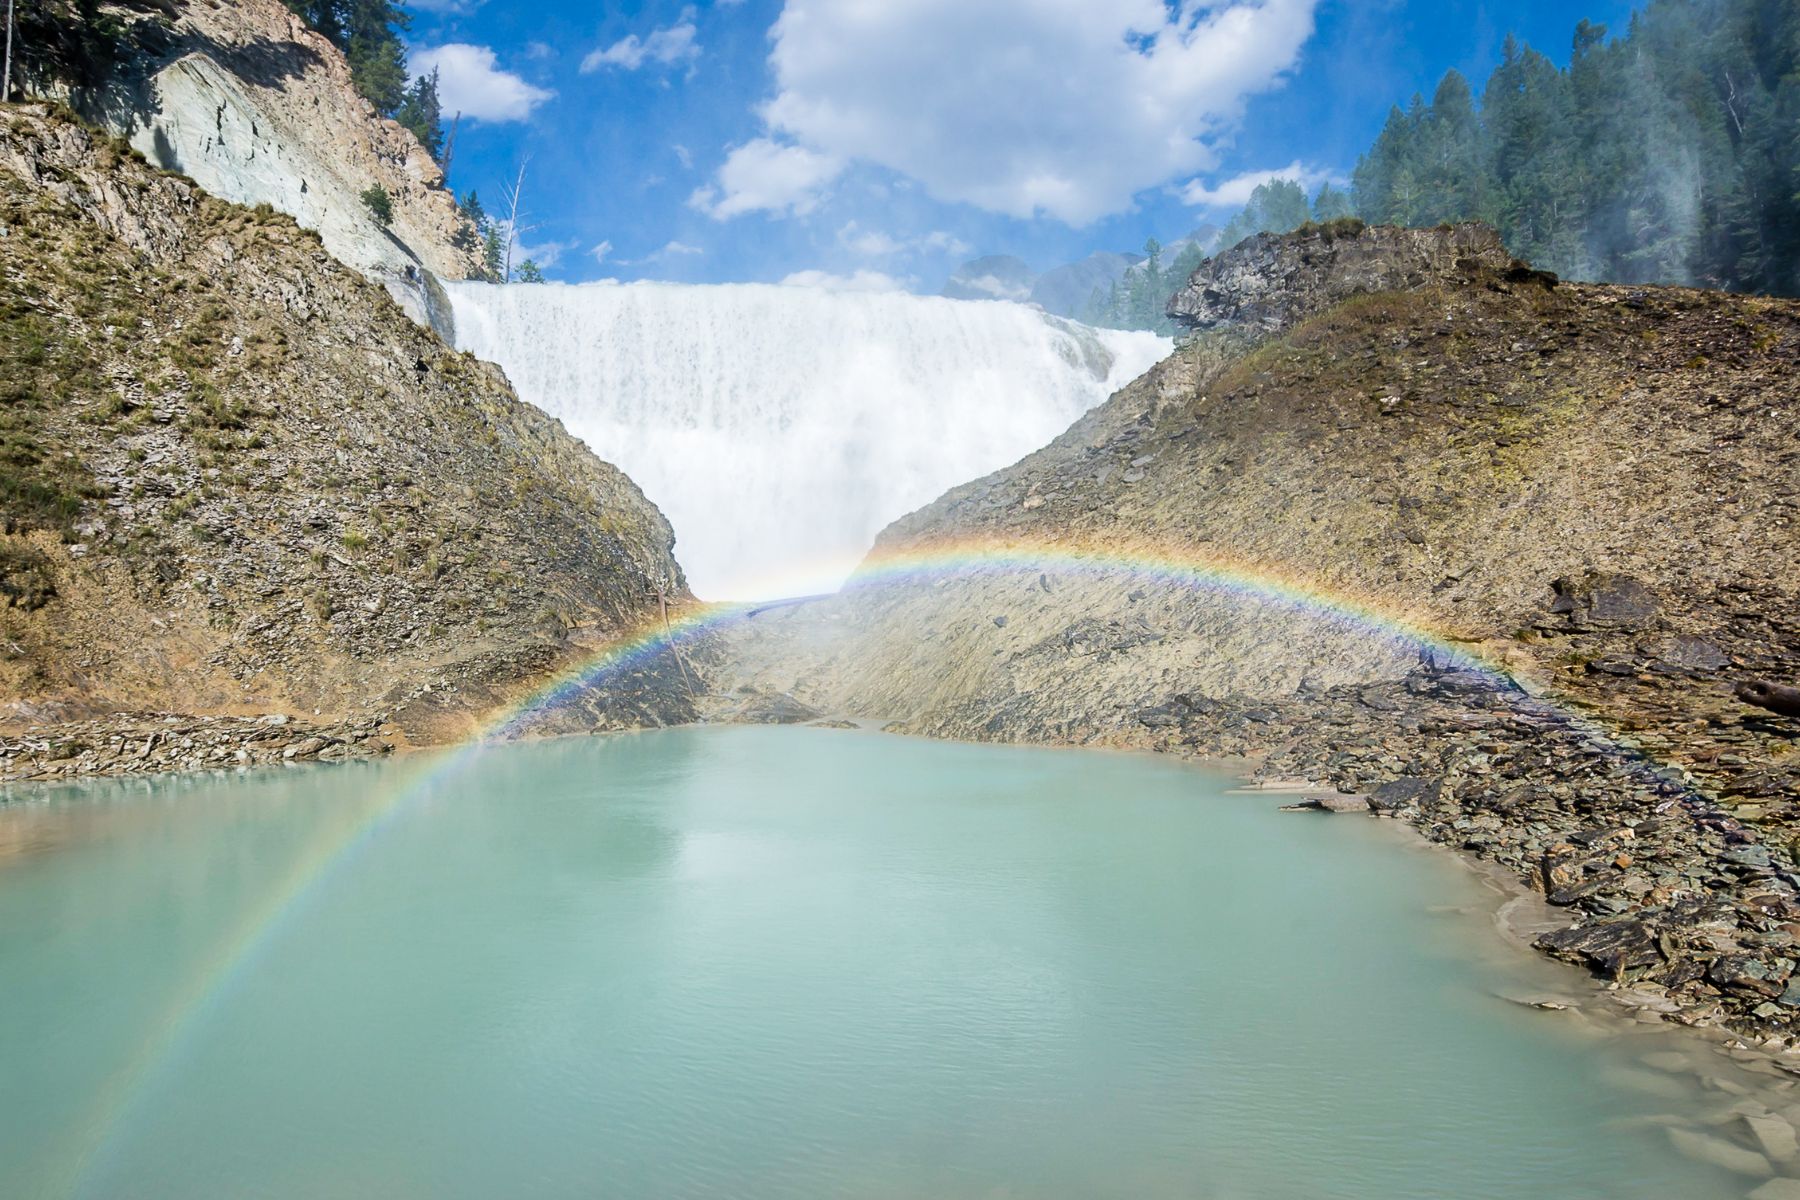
(340, 842)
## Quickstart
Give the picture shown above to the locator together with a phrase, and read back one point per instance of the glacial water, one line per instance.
(750, 963)
(779, 428)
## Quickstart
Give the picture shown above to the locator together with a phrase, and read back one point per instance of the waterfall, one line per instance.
(779, 428)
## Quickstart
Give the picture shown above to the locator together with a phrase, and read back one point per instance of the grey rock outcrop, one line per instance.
(1271, 282)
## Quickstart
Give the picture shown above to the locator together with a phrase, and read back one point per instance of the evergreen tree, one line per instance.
(1186, 263)
(376, 53)
(1452, 174)
(1278, 206)
(379, 204)
(422, 113)
(1536, 158)
(1148, 291)
(1376, 169)
(324, 17)
(493, 251)
(1332, 204)
(528, 272)
(1668, 154)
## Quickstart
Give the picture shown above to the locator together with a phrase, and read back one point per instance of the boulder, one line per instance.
(1408, 791)
(1686, 653)
(1608, 946)
(1338, 802)
(1604, 600)
(779, 709)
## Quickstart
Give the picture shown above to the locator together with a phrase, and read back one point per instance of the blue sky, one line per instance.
(881, 142)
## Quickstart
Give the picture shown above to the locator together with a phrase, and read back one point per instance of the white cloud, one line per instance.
(859, 281)
(945, 243)
(870, 243)
(685, 156)
(766, 176)
(668, 251)
(994, 286)
(1069, 108)
(601, 251)
(470, 82)
(1235, 192)
(544, 254)
(445, 7)
(665, 46)
(873, 243)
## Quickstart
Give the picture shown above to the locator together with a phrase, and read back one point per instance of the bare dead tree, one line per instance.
(515, 195)
(449, 146)
(1731, 99)
(662, 598)
(6, 87)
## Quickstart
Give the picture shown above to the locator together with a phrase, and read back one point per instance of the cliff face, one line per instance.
(238, 480)
(257, 109)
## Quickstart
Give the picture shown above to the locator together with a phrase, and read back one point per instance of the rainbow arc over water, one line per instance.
(183, 1016)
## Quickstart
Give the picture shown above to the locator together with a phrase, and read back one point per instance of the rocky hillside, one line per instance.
(1410, 420)
(244, 99)
(239, 481)
(1591, 490)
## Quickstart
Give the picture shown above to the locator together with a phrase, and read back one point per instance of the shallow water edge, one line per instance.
(1751, 1083)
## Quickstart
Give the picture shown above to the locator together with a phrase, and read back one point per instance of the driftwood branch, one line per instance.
(1776, 697)
(669, 636)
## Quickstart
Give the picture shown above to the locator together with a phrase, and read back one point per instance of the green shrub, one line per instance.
(25, 578)
(380, 205)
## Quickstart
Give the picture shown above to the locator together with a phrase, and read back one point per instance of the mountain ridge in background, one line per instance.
(1078, 290)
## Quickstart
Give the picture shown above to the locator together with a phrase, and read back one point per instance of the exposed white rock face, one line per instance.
(210, 129)
(258, 109)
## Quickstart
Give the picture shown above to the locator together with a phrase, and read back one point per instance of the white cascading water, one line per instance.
(779, 428)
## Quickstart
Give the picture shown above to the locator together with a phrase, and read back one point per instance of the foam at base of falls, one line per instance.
(780, 428)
